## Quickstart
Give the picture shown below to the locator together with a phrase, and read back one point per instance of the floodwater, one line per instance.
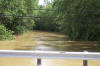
(46, 41)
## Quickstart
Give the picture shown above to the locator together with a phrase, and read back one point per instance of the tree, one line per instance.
(12, 13)
(81, 18)
(17, 8)
(47, 18)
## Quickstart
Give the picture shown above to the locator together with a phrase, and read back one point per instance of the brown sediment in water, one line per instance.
(46, 41)
(45, 62)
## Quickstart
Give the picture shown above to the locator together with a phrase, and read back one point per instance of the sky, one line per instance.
(41, 2)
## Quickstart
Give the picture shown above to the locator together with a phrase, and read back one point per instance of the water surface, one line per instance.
(46, 41)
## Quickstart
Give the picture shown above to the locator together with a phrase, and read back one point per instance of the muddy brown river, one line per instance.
(46, 41)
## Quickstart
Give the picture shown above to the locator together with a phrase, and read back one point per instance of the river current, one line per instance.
(46, 41)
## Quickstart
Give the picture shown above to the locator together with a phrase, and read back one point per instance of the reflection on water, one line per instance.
(46, 41)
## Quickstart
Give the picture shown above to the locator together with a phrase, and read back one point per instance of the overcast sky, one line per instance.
(41, 2)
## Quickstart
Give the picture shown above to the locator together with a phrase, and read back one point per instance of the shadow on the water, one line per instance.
(76, 46)
(64, 46)
(48, 42)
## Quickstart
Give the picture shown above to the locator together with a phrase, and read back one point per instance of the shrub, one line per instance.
(80, 18)
(5, 34)
(20, 29)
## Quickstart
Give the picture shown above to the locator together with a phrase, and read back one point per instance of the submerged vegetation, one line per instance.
(79, 19)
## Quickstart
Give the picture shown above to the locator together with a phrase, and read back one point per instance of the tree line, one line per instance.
(10, 25)
(79, 19)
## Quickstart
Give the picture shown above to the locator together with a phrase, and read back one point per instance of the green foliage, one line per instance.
(12, 14)
(20, 29)
(5, 34)
(17, 8)
(80, 18)
(47, 21)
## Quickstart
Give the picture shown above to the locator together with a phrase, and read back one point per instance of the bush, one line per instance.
(5, 34)
(20, 29)
(80, 19)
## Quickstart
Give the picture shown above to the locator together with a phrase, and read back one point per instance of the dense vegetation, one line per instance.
(47, 18)
(12, 18)
(79, 19)
(5, 34)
